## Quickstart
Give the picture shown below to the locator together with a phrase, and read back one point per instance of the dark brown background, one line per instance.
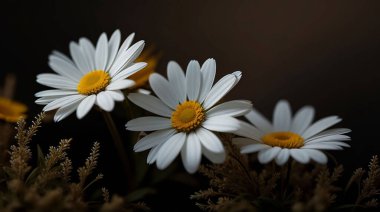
(321, 53)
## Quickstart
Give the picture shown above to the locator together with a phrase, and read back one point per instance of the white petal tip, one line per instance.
(191, 171)
(136, 149)
(238, 74)
(242, 151)
(80, 116)
(141, 42)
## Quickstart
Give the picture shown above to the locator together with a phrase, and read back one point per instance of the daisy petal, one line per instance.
(56, 81)
(193, 80)
(336, 143)
(282, 157)
(46, 99)
(328, 138)
(64, 68)
(143, 91)
(221, 124)
(125, 44)
(237, 75)
(320, 125)
(150, 103)
(101, 52)
(62, 102)
(105, 101)
(89, 51)
(316, 155)
(299, 155)
(79, 58)
(163, 90)
(56, 77)
(116, 95)
(120, 84)
(148, 123)
(113, 47)
(259, 121)
(169, 150)
(282, 116)
(209, 140)
(208, 75)
(152, 156)
(214, 157)
(302, 119)
(62, 56)
(252, 148)
(220, 89)
(54, 93)
(129, 71)
(267, 155)
(231, 108)
(177, 79)
(249, 131)
(85, 106)
(334, 131)
(191, 153)
(126, 57)
(153, 139)
(323, 146)
(65, 111)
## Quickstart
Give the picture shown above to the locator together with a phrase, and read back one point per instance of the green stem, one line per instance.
(119, 147)
(129, 108)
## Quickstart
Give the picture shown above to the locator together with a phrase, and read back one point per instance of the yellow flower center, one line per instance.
(187, 116)
(93, 82)
(283, 139)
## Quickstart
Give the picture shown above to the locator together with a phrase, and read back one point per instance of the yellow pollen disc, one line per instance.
(187, 116)
(93, 82)
(288, 140)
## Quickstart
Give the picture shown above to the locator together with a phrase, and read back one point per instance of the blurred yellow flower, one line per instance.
(11, 111)
(141, 78)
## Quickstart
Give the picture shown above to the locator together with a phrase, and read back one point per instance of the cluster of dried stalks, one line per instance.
(241, 184)
(48, 186)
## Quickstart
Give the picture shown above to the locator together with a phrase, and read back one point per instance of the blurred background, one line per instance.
(320, 53)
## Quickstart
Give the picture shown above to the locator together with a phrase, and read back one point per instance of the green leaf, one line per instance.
(92, 182)
(40, 156)
(141, 167)
(33, 175)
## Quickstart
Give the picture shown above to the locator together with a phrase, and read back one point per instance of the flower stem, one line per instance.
(285, 182)
(119, 147)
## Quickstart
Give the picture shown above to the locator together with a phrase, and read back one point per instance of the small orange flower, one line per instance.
(141, 78)
(11, 111)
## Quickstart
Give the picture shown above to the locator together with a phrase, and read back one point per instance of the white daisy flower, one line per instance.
(187, 115)
(288, 137)
(95, 75)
